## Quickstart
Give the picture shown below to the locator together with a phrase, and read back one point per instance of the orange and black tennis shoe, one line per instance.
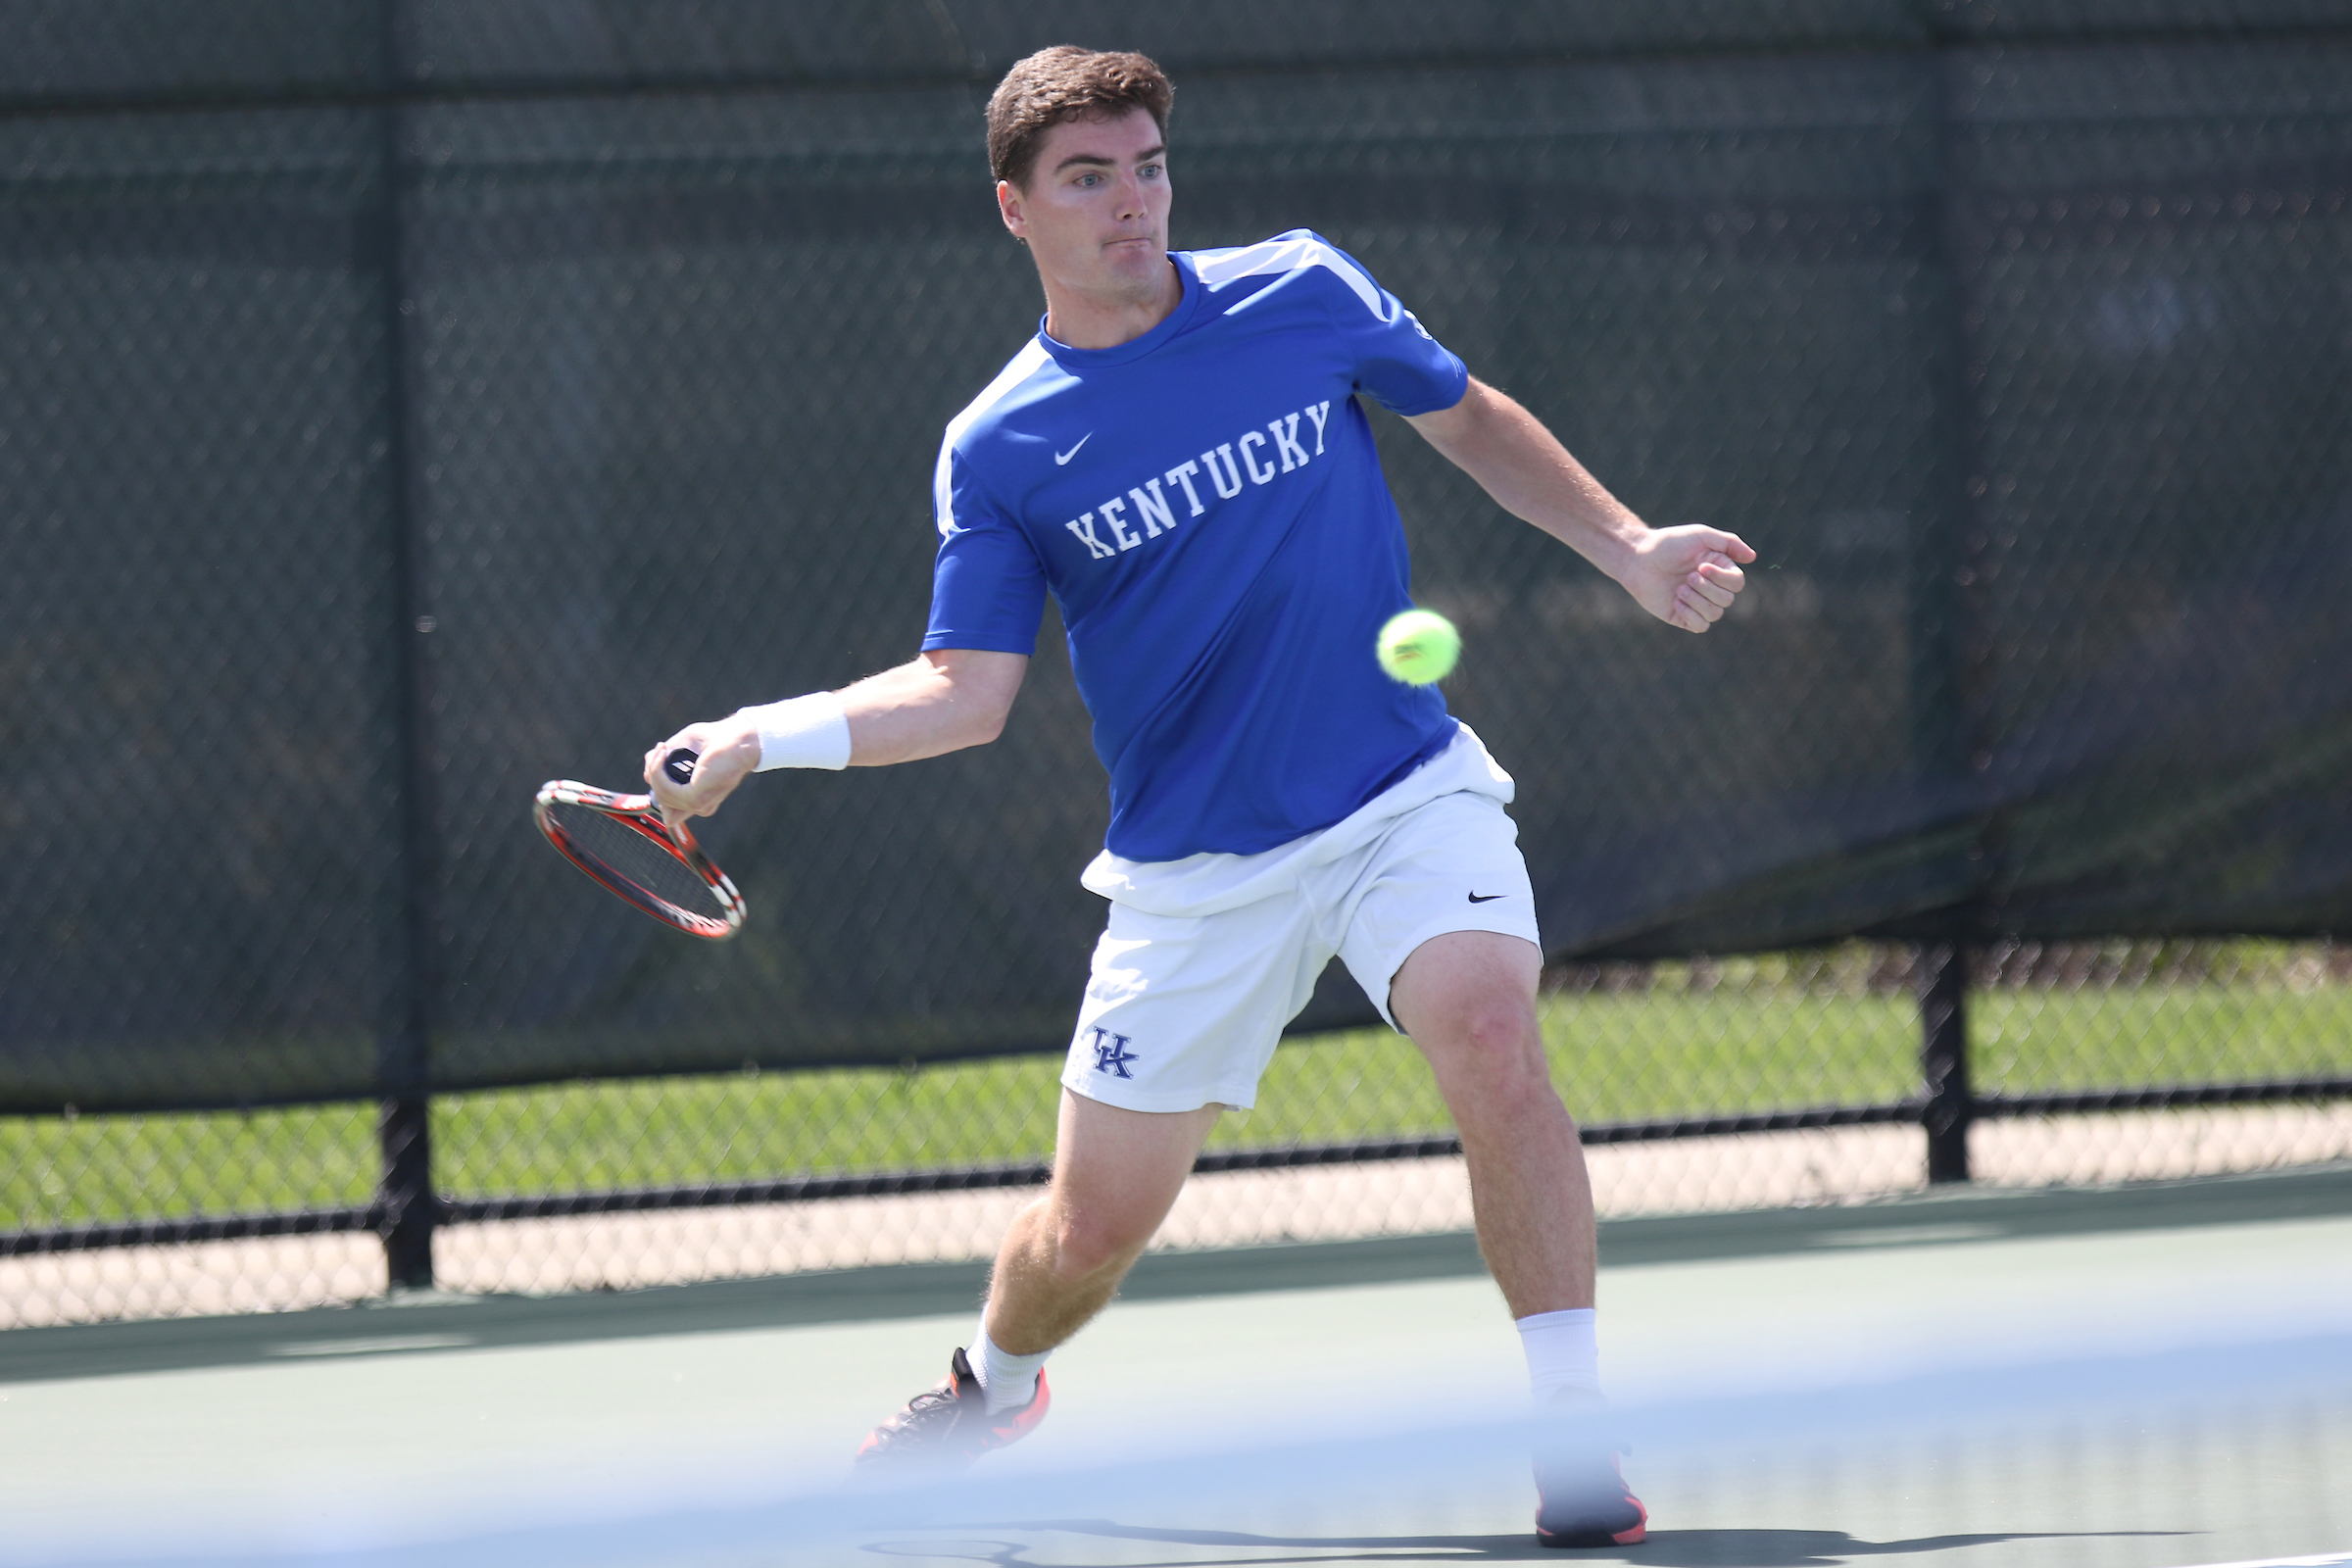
(1581, 1498)
(948, 1427)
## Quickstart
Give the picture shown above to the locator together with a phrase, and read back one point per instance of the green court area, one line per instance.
(1720, 1038)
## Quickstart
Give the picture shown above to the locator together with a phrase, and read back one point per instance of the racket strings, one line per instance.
(619, 852)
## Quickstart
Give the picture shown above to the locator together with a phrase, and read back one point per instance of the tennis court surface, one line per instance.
(2148, 1377)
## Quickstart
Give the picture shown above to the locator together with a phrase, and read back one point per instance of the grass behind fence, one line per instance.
(1747, 1035)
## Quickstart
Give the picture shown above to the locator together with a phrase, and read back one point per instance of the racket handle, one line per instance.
(679, 765)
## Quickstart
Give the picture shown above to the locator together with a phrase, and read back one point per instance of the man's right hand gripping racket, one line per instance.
(622, 840)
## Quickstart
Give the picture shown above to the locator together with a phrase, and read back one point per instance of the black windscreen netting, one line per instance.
(201, 897)
(2025, 370)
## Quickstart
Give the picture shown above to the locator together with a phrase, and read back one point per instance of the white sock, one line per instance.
(1561, 1353)
(1010, 1380)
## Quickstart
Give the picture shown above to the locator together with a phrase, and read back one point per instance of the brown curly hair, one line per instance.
(1066, 82)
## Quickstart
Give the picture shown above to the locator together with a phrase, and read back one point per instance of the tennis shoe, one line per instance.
(948, 1427)
(1581, 1498)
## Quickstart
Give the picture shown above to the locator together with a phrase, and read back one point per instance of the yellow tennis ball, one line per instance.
(1418, 647)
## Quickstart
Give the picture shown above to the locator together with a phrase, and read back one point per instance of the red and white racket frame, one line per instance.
(637, 811)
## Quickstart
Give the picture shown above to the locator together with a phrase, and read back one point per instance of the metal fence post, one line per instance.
(1960, 729)
(1943, 1058)
(405, 1193)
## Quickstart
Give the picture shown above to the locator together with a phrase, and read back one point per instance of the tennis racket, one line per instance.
(622, 840)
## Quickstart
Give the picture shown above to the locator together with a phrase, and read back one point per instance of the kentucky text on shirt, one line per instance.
(1224, 465)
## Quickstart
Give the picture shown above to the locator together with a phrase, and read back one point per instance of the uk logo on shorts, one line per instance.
(1111, 1053)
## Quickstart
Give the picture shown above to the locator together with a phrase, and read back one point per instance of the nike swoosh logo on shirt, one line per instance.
(1488, 897)
(1065, 457)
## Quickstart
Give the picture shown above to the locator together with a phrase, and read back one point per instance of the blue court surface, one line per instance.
(2150, 1378)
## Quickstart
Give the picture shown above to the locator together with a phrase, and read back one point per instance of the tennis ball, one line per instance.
(1418, 647)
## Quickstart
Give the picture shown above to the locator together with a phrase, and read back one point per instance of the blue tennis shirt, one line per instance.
(1206, 505)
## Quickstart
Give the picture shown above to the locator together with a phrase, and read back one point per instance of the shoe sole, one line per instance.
(1632, 1535)
(1594, 1538)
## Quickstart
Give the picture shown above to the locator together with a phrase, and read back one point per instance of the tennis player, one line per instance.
(1181, 459)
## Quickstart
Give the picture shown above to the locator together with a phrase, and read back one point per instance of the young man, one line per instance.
(1178, 458)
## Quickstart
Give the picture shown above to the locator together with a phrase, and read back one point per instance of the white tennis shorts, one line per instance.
(1204, 959)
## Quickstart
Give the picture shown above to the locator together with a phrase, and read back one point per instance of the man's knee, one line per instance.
(1494, 1039)
(1089, 1242)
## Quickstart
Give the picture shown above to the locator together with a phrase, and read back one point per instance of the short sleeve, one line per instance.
(988, 588)
(1403, 369)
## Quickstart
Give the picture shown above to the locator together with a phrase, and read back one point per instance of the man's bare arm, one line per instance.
(1686, 576)
(933, 704)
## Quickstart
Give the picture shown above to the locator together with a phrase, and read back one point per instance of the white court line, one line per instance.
(378, 1346)
(1910, 1235)
(2325, 1559)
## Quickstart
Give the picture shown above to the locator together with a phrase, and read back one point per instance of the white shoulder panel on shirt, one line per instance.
(1016, 371)
(1287, 252)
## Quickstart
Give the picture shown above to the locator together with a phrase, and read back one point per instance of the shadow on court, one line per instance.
(1665, 1548)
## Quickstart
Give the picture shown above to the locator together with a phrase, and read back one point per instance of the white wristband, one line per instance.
(812, 731)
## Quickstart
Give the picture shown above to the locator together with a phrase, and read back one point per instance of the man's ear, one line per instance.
(1008, 208)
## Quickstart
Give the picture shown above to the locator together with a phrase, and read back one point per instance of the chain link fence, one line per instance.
(403, 403)
(1704, 1083)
